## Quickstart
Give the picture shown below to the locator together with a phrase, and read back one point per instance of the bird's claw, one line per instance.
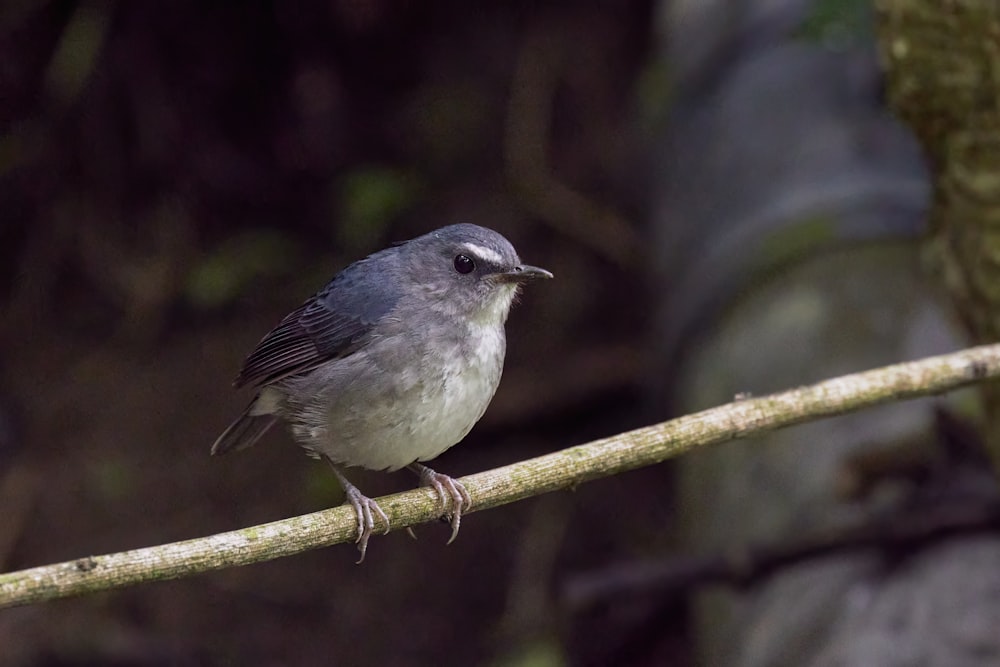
(455, 499)
(365, 509)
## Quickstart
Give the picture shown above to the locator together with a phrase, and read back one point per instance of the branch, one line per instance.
(900, 532)
(567, 468)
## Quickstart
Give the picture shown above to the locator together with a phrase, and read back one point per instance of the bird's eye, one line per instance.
(464, 264)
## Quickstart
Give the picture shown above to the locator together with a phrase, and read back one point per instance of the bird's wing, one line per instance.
(331, 324)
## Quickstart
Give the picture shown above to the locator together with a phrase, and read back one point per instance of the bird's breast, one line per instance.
(402, 399)
(468, 373)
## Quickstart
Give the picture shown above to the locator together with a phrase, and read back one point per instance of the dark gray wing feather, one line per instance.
(331, 324)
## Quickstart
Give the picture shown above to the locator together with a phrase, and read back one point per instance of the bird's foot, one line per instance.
(364, 508)
(454, 498)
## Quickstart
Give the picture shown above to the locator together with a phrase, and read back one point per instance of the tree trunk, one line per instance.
(942, 62)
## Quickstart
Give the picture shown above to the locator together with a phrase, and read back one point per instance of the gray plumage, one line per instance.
(392, 363)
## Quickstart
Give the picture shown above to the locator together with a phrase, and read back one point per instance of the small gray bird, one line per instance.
(392, 363)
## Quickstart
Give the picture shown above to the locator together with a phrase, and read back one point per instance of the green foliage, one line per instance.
(225, 274)
(797, 241)
(79, 47)
(542, 652)
(320, 487)
(371, 197)
(654, 95)
(838, 24)
(111, 479)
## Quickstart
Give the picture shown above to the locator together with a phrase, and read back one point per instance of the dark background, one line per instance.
(175, 177)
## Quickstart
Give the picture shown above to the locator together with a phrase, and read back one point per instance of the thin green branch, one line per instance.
(567, 468)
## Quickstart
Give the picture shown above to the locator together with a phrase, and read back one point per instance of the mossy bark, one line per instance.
(942, 62)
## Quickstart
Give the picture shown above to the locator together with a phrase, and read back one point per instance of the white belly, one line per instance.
(404, 412)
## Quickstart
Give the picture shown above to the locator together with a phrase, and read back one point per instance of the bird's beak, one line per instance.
(523, 274)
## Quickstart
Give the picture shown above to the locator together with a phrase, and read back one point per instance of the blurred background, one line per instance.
(725, 202)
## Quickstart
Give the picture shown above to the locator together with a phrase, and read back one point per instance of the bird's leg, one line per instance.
(454, 498)
(363, 508)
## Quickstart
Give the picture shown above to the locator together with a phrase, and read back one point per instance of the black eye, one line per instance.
(464, 264)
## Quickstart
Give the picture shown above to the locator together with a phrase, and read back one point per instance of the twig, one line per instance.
(567, 468)
(527, 163)
(897, 533)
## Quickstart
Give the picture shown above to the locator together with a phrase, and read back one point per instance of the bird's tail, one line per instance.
(244, 432)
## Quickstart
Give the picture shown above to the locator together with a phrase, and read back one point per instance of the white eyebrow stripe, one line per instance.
(482, 252)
